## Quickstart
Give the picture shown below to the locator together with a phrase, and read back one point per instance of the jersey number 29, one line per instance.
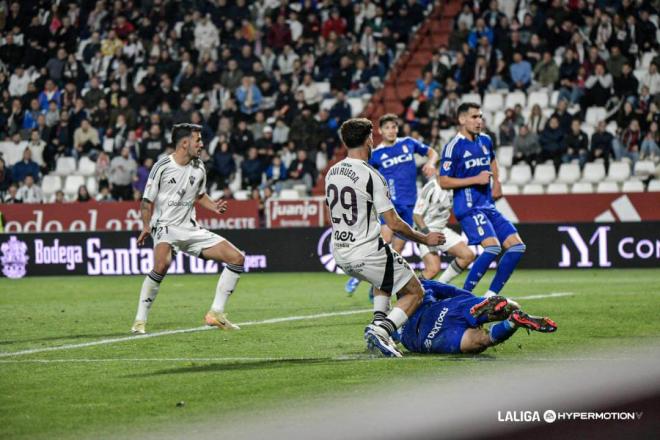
(334, 196)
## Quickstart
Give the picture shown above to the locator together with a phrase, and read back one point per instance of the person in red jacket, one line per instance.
(335, 24)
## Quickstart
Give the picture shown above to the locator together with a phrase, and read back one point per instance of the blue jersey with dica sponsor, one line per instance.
(396, 163)
(463, 158)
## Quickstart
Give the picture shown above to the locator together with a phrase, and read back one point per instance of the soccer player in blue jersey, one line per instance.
(449, 321)
(467, 166)
(394, 158)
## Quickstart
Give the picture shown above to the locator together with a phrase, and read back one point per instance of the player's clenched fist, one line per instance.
(483, 178)
(221, 206)
(435, 238)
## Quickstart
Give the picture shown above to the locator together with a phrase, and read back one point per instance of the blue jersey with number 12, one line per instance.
(396, 163)
(463, 158)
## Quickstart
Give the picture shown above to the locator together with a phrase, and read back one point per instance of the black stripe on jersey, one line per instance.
(158, 164)
(388, 279)
(370, 191)
(377, 173)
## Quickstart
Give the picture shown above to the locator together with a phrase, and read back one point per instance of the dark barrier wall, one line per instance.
(613, 245)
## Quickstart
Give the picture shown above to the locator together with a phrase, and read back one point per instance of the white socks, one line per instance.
(450, 273)
(398, 317)
(226, 285)
(148, 294)
(381, 307)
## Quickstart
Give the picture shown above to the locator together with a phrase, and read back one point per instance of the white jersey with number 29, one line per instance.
(356, 194)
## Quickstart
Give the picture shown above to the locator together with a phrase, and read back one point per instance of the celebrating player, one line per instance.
(431, 213)
(394, 158)
(449, 321)
(356, 194)
(468, 164)
(175, 183)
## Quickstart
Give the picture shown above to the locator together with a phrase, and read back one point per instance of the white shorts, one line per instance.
(451, 240)
(191, 241)
(385, 270)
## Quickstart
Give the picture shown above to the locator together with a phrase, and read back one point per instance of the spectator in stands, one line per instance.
(86, 141)
(83, 194)
(248, 96)
(310, 91)
(602, 145)
(123, 169)
(626, 85)
(153, 142)
(142, 175)
(577, 144)
(564, 117)
(650, 149)
(12, 195)
(552, 142)
(276, 173)
(50, 93)
(526, 147)
(30, 117)
(500, 79)
(242, 138)
(104, 195)
(340, 111)
(224, 166)
(628, 144)
(568, 75)
(29, 192)
(25, 167)
(521, 72)
(546, 72)
(18, 82)
(598, 88)
(5, 178)
(207, 38)
(651, 79)
(252, 169)
(507, 128)
(59, 197)
(302, 170)
(280, 133)
(427, 85)
(480, 30)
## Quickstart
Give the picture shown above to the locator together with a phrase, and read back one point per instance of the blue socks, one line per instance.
(480, 266)
(502, 331)
(507, 264)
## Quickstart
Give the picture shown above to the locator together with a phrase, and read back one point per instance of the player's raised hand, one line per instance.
(483, 178)
(143, 236)
(435, 238)
(220, 206)
(429, 169)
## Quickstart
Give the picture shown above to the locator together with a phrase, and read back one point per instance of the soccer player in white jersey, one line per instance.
(431, 213)
(175, 184)
(357, 194)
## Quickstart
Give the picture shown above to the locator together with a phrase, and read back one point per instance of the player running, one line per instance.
(175, 184)
(394, 158)
(449, 321)
(468, 164)
(356, 194)
(431, 213)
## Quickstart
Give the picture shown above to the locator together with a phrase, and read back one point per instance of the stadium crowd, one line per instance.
(93, 87)
(561, 81)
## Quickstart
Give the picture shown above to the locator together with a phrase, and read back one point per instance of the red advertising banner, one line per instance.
(295, 213)
(582, 208)
(114, 216)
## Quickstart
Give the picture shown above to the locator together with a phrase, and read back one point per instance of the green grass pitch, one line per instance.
(134, 386)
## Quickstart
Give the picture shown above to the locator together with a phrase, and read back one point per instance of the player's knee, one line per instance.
(518, 247)
(494, 249)
(161, 268)
(238, 259)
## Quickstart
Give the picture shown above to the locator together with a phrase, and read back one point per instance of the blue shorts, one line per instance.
(447, 337)
(482, 223)
(405, 212)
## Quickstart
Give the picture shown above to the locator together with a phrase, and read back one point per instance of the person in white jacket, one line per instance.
(207, 38)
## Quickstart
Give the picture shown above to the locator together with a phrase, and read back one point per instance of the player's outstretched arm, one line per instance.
(482, 178)
(146, 210)
(429, 169)
(217, 206)
(400, 227)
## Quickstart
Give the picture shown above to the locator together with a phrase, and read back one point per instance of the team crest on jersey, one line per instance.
(446, 166)
(405, 149)
(483, 147)
(192, 180)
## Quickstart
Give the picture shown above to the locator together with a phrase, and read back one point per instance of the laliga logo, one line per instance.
(324, 251)
(14, 258)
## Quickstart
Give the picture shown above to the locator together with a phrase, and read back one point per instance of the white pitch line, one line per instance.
(548, 295)
(176, 332)
(203, 328)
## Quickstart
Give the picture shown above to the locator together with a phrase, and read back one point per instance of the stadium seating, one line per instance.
(532, 188)
(86, 167)
(505, 156)
(65, 166)
(72, 183)
(50, 184)
(471, 97)
(510, 190)
(557, 188)
(92, 186)
(582, 188)
(619, 172)
(654, 185)
(632, 186)
(289, 194)
(493, 102)
(544, 173)
(538, 97)
(514, 98)
(593, 172)
(520, 174)
(569, 173)
(607, 187)
(644, 168)
(595, 115)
